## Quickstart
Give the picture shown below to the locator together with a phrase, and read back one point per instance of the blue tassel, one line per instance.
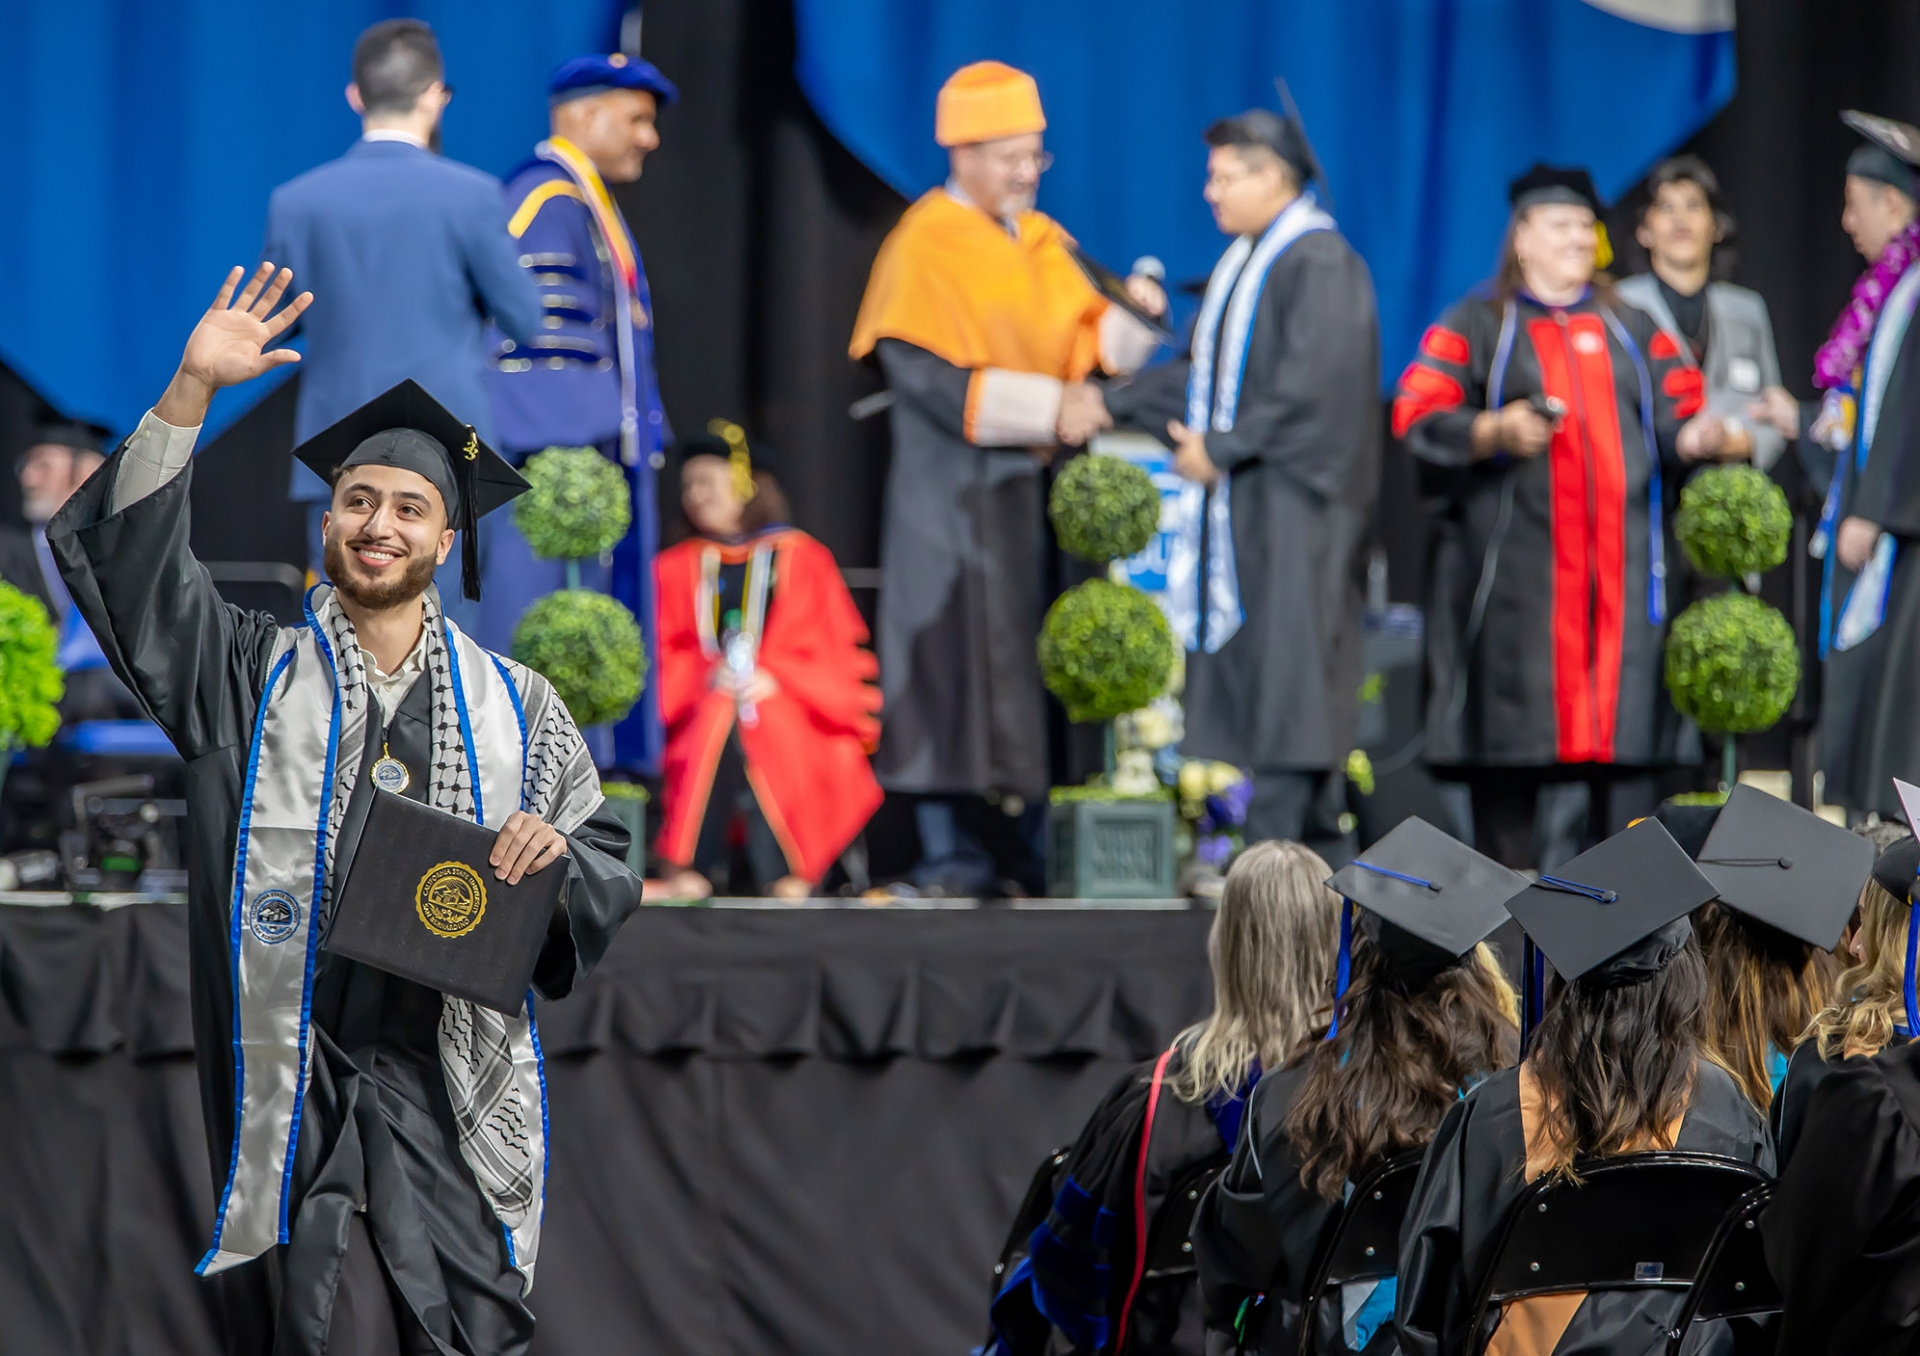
(1574, 887)
(1396, 875)
(1913, 942)
(1345, 971)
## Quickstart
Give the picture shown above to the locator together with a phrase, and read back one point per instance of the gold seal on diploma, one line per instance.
(450, 899)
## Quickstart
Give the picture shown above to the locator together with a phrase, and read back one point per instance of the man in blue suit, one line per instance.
(411, 252)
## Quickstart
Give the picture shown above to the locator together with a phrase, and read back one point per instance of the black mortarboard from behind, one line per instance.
(1436, 897)
(1618, 908)
(1689, 824)
(1786, 867)
(407, 428)
(79, 434)
(1553, 183)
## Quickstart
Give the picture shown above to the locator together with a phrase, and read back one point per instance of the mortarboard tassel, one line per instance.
(465, 468)
(739, 461)
(1533, 998)
(1602, 246)
(1906, 977)
(1344, 973)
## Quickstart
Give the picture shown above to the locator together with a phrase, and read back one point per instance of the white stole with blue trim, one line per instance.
(501, 741)
(1220, 338)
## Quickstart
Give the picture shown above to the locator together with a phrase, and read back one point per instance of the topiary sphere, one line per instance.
(588, 646)
(1104, 508)
(1732, 664)
(1733, 521)
(1105, 650)
(31, 683)
(577, 505)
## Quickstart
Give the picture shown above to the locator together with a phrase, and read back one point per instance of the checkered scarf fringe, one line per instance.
(561, 786)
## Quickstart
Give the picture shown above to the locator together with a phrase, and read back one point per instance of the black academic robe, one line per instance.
(1540, 649)
(1869, 721)
(1842, 1233)
(1806, 1072)
(1304, 457)
(963, 565)
(377, 1131)
(1066, 1284)
(1475, 1171)
(1259, 1231)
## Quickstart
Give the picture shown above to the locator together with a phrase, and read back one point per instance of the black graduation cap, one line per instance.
(1785, 866)
(80, 434)
(1553, 183)
(1629, 889)
(1436, 898)
(407, 428)
(1897, 869)
(1901, 138)
(726, 440)
(1689, 824)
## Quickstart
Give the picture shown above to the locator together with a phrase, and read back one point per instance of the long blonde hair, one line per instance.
(1871, 992)
(1272, 950)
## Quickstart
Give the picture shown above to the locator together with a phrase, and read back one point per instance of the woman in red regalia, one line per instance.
(766, 689)
(1553, 425)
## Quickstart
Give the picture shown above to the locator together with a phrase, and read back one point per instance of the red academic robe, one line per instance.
(807, 754)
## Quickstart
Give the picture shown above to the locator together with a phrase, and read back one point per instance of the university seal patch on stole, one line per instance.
(273, 916)
(450, 899)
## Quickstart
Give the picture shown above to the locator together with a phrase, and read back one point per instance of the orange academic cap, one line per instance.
(986, 101)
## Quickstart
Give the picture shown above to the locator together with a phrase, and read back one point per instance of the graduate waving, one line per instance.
(381, 1145)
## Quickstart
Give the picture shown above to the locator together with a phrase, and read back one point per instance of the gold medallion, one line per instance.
(450, 899)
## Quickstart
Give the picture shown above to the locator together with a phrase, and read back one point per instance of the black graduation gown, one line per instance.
(1258, 1233)
(1869, 722)
(1563, 665)
(1473, 1174)
(1076, 1267)
(1806, 1072)
(377, 1131)
(1304, 456)
(963, 566)
(1843, 1232)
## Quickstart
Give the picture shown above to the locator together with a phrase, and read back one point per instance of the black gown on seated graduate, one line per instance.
(1068, 1282)
(377, 1134)
(1257, 1234)
(1476, 1168)
(1843, 1232)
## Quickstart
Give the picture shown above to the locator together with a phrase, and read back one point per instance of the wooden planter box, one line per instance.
(1110, 849)
(632, 812)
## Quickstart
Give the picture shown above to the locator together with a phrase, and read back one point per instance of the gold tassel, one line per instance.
(739, 464)
(1602, 247)
(472, 450)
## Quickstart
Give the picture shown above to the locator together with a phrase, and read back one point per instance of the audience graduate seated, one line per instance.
(1788, 882)
(1078, 1279)
(1427, 1016)
(1843, 1231)
(1616, 1066)
(766, 686)
(1869, 1009)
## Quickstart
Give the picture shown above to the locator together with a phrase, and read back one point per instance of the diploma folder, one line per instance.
(421, 901)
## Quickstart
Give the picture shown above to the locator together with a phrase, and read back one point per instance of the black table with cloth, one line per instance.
(774, 1129)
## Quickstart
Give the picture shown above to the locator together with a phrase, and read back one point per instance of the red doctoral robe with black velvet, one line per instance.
(1545, 638)
(807, 753)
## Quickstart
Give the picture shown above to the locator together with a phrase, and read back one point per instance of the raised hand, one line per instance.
(229, 345)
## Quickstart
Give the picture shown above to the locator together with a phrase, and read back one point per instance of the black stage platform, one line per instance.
(775, 1129)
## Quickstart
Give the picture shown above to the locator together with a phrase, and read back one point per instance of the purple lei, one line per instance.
(1833, 365)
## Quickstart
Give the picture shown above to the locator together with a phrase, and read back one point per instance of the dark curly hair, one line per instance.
(1403, 1055)
(1616, 1061)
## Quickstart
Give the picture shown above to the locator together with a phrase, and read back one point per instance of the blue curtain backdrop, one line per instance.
(143, 139)
(1421, 110)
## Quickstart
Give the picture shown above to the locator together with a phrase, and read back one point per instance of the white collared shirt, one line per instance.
(393, 134)
(389, 689)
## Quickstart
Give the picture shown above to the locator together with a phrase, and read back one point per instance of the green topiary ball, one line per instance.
(1104, 508)
(1733, 521)
(1105, 650)
(577, 506)
(31, 683)
(1732, 664)
(588, 646)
